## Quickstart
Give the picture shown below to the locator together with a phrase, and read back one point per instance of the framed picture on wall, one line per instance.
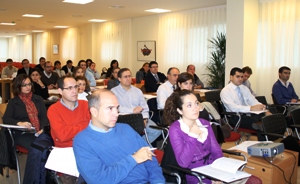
(146, 51)
(55, 49)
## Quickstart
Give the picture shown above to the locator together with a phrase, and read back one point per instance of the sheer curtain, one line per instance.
(278, 43)
(41, 46)
(114, 42)
(20, 47)
(183, 38)
(68, 45)
(4, 49)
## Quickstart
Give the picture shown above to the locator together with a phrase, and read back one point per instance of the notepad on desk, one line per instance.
(224, 169)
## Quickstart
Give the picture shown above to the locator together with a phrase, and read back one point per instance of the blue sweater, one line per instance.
(283, 94)
(107, 157)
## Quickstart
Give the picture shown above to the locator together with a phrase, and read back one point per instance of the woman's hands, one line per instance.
(25, 124)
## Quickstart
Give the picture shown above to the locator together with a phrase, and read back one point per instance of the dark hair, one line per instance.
(41, 59)
(183, 77)
(69, 61)
(247, 69)
(189, 66)
(112, 76)
(283, 68)
(87, 84)
(152, 63)
(17, 84)
(88, 60)
(142, 69)
(25, 60)
(113, 62)
(234, 70)
(75, 70)
(80, 62)
(35, 70)
(61, 81)
(121, 72)
(174, 102)
(169, 70)
(9, 60)
(57, 62)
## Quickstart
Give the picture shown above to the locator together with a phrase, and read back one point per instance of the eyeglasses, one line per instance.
(24, 85)
(70, 88)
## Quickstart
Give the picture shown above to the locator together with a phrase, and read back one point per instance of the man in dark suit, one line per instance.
(153, 78)
(26, 68)
(68, 68)
(41, 66)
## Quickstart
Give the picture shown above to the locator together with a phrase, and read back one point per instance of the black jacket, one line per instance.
(22, 70)
(151, 84)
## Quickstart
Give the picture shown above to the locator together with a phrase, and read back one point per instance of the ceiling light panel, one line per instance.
(97, 20)
(157, 10)
(32, 15)
(78, 1)
(8, 23)
(61, 26)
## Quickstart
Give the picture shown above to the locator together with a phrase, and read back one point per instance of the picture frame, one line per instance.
(55, 49)
(146, 50)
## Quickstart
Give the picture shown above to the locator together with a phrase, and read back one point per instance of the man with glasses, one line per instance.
(49, 78)
(167, 88)
(89, 76)
(131, 100)
(68, 116)
(26, 68)
(153, 78)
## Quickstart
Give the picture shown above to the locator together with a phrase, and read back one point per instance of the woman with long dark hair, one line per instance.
(113, 64)
(141, 74)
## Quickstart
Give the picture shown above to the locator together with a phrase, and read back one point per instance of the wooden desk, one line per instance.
(99, 82)
(271, 174)
(6, 88)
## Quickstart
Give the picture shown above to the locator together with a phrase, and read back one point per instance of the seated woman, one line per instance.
(81, 83)
(140, 75)
(92, 68)
(38, 86)
(78, 71)
(113, 81)
(113, 64)
(58, 70)
(25, 109)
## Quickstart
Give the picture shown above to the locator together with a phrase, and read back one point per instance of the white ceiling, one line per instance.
(57, 13)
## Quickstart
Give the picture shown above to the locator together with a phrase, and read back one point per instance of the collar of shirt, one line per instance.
(47, 74)
(285, 85)
(97, 129)
(169, 84)
(233, 86)
(76, 104)
(121, 87)
(186, 130)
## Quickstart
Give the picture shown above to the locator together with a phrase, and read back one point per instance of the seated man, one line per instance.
(9, 69)
(198, 83)
(89, 76)
(110, 152)
(153, 78)
(26, 68)
(67, 117)
(238, 98)
(49, 78)
(167, 88)
(247, 73)
(131, 100)
(68, 68)
(41, 65)
(283, 90)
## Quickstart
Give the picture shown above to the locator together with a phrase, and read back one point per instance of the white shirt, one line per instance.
(232, 102)
(82, 96)
(163, 92)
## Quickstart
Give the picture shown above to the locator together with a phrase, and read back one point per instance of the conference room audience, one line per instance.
(198, 83)
(154, 78)
(81, 82)
(141, 74)
(78, 71)
(247, 73)
(93, 70)
(49, 78)
(9, 70)
(68, 68)
(167, 88)
(58, 70)
(41, 65)
(113, 81)
(88, 62)
(89, 76)
(26, 68)
(25, 109)
(113, 64)
(39, 88)
(111, 152)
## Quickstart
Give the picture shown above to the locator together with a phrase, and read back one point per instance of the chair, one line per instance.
(273, 108)
(156, 113)
(281, 107)
(274, 126)
(136, 121)
(296, 120)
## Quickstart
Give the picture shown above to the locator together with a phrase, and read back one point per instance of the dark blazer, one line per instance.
(65, 68)
(22, 70)
(39, 67)
(112, 83)
(151, 84)
(38, 90)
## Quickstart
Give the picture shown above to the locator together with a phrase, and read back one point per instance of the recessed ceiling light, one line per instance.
(75, 15)
(97, 20)
(3, 10)
(8, 23)
(8, 36)
(157, 10)
(32, 15)
(61, 26)
(78, 1)
(116, 6)
(37, 31)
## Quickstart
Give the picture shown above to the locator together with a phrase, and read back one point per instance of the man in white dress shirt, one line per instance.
(167, 88)
(238, 98)
(247, 73)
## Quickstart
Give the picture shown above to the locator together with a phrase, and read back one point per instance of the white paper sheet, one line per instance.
(244, 145)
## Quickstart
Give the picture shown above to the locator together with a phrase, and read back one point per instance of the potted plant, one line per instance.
(216, 65)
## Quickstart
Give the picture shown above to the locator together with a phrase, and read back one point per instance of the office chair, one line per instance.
(273, 108)
(296, 120)
(282, 108)
(156, 113)
(274, 126)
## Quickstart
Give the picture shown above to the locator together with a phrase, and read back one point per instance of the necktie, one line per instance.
(156, 77)
(173, 87)
(240, 95)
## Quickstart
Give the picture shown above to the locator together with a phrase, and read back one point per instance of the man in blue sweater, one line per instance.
(110, 152)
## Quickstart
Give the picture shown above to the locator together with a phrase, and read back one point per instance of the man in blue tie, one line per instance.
(153, 78)
(238, 98)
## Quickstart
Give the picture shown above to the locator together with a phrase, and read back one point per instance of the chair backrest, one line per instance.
(274, 123)
(296, 116)
(157, 114)
(262, 99)
(136, 121)
(274, 99)
(213, 96)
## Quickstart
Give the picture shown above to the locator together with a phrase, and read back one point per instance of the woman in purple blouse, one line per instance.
(192, 139)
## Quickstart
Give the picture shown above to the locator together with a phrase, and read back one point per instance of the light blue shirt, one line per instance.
(97, 129)
(90, 77)
(62, 102)
(130, 99)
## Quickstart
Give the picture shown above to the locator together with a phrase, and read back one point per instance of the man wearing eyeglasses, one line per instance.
(89, 76)
(153, 78)
(68, 116)
(26, 68)
(49, 78)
